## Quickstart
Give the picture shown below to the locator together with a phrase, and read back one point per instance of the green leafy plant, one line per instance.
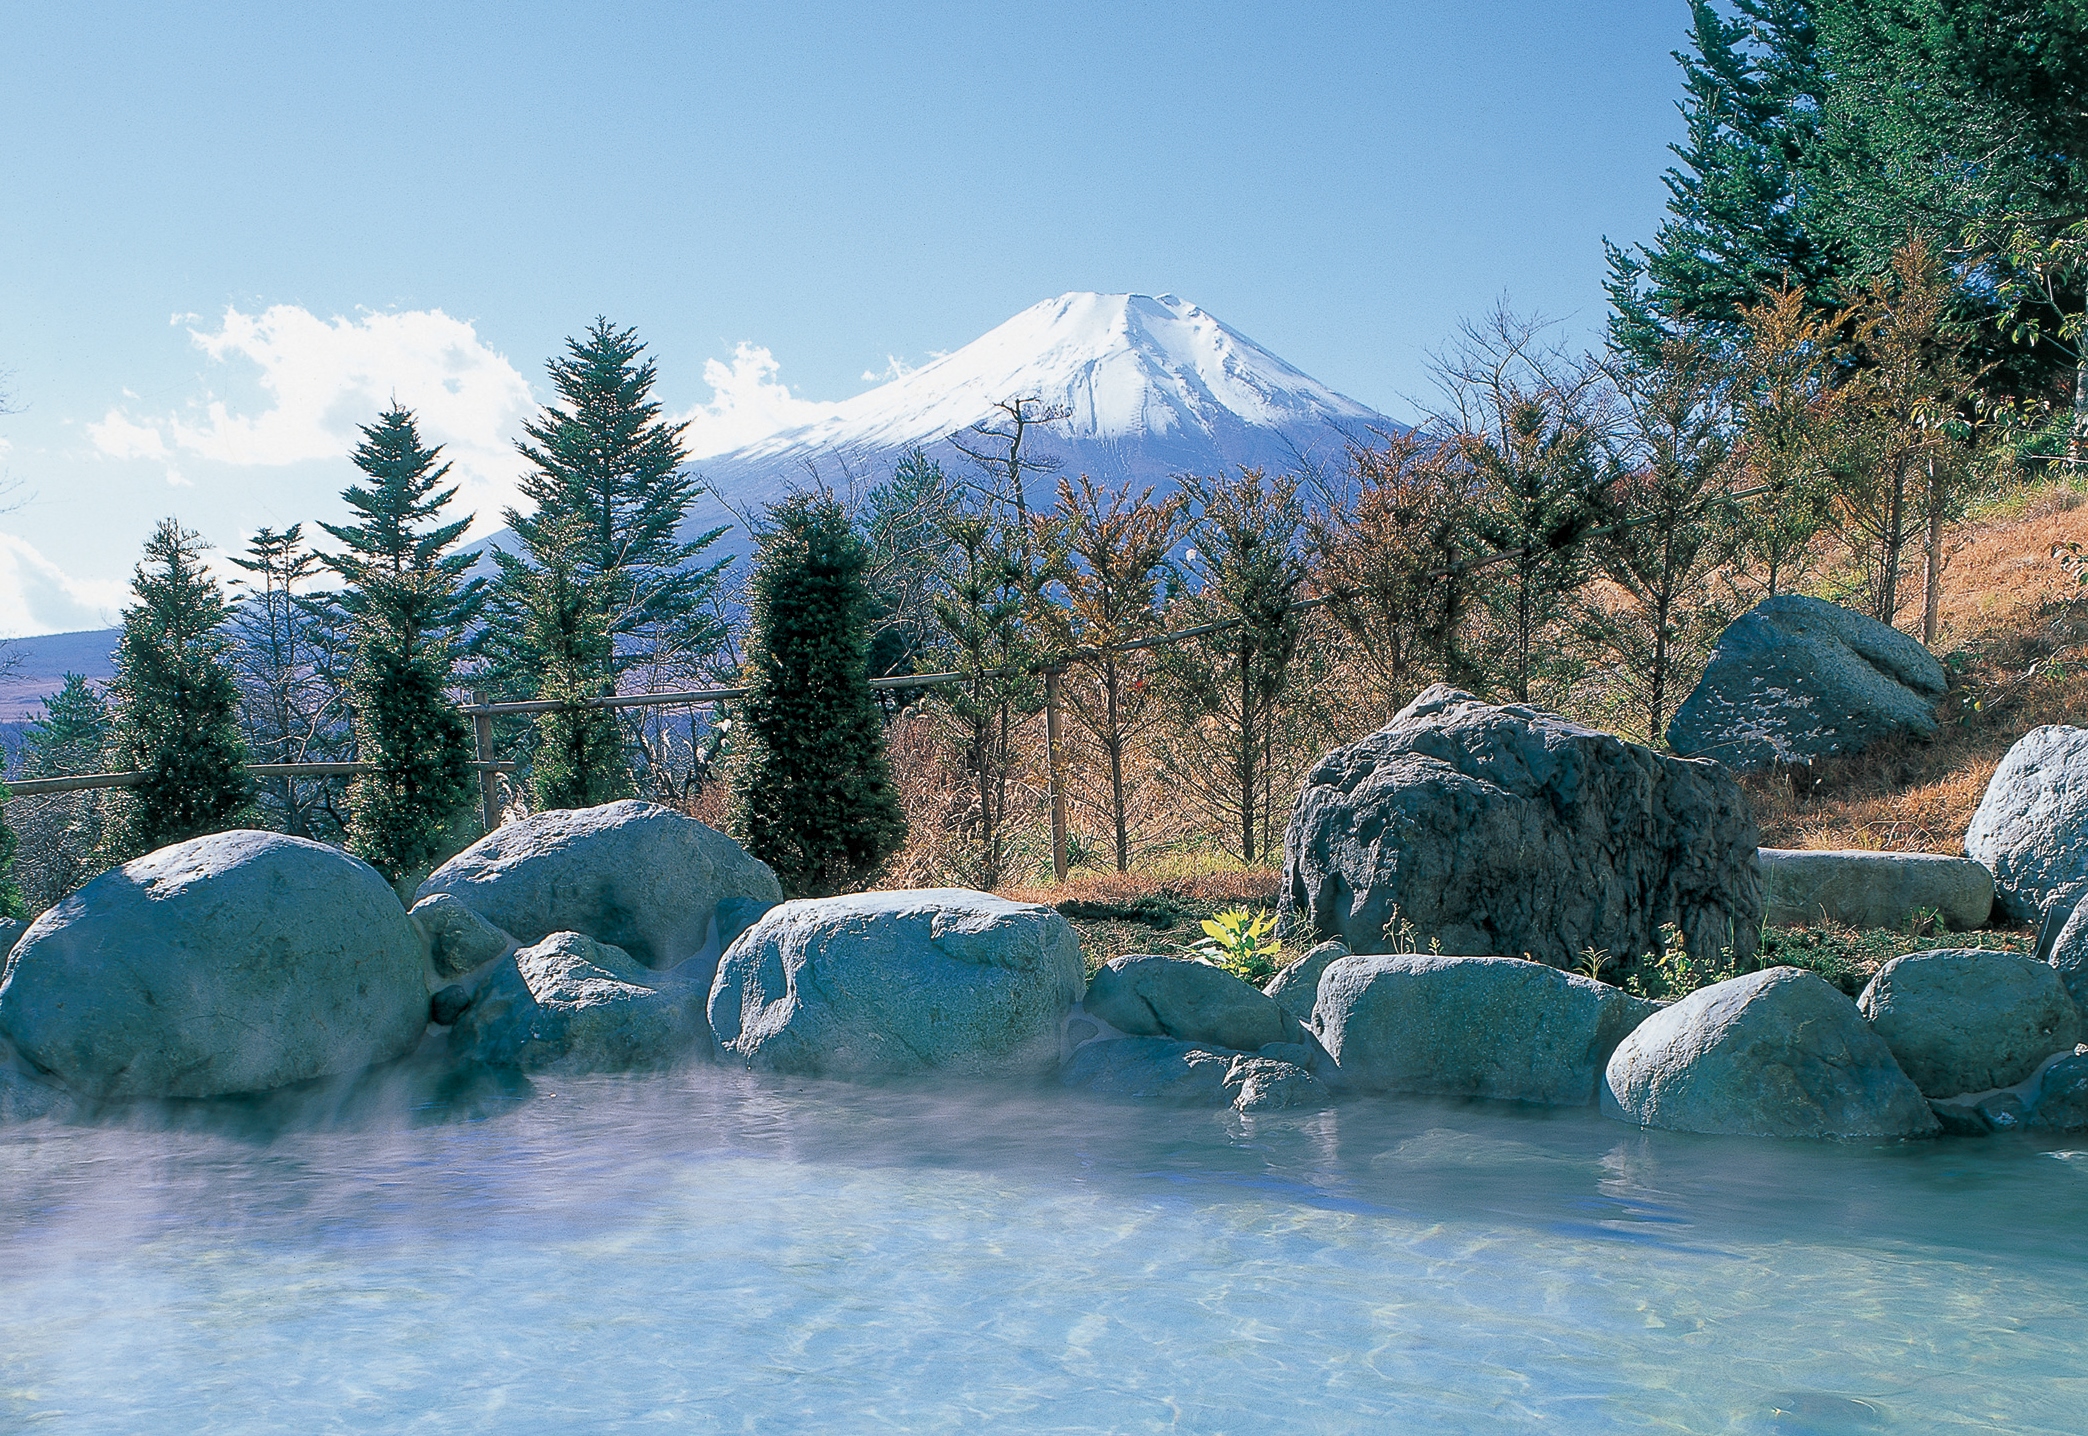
(1594, 961)
(1672, 972)
(1243, 943)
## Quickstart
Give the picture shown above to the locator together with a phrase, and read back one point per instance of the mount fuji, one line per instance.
(1152, 387)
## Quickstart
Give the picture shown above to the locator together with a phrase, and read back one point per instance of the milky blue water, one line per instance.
(711, 1252)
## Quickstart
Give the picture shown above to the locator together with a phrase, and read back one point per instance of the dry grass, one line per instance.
(2017, 651)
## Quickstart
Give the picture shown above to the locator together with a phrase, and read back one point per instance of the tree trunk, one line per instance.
(1246, 755)
(1895, 540)
(1115, 746)
(2077, 441)
(1932, 563)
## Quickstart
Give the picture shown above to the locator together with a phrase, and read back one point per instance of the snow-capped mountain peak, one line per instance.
(1132, 370)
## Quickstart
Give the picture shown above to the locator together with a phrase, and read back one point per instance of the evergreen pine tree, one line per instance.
(61, 833)
(549, 606)
(1743, 203)
(813, 794)
(175, 704)
(70, 736)
(12, 903)
(405, 597)
(611, 497)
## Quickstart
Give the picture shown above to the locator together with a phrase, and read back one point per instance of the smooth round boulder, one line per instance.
(1795, 679)
(635, 875)
(1967, 1020)
(578, 1005)
(1495, 1027)
(237, 962)
(1469, 828)
(1296, 987)
(1870, 890)
(891, 983)
(1776, 1053)
(2031, 826)
(1149, 995)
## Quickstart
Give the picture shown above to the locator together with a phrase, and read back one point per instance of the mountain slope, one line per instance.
(1152, 386)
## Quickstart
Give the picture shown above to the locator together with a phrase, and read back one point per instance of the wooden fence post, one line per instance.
(1057, 777)
(489, 781)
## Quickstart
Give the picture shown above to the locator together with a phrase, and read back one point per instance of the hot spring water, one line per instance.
(712, 1252)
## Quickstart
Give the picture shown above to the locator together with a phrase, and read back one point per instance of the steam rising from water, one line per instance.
(713, 1251)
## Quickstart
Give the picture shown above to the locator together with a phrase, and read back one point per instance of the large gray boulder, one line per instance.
(1794, 679)
(1147, 995)
(1472, 1027)
(1510, 830)
(898, 982)
(1776, 1053)
(634, 875)
(24, 1098)
(2031, 827)
(2070, 955)
(1296, 988)
(1864, 889)
(579, 1005)
(1966, 1020)
(237, 962)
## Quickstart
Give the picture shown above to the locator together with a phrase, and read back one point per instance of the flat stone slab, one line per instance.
(1866, 889)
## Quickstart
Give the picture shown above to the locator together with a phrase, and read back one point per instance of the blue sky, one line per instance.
(227, 233)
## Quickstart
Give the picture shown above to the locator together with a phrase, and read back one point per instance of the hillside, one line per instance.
(2014, 639)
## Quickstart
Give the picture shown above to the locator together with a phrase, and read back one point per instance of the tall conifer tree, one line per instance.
(814, 794)
(176, 705)
(406, 598)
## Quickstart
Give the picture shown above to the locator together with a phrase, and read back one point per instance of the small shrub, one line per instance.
(1242, 943)
(1672, 972)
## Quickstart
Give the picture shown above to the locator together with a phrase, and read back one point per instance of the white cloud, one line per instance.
(119, 438)
(325, 378)
(36, 596)
(747, 403)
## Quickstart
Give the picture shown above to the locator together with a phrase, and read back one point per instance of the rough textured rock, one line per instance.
(1161, 1069)
(1509, 830)
(237, 962)
(579, 1005)
(2070, 956)
(459, 940)
(1472, 1027)
(1269, 1084)
(1296, 988)
(2031, 827)
(1150, 1069)
(635, 875)
(2061, 1102)
(1864, 889)
(898, 982)
(1794, 679)
(447, 1004)
(24, 1099)
(1964, 1020)
(2057, 912)
(11, 930)
(1777, 1053)
(1147, 995)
